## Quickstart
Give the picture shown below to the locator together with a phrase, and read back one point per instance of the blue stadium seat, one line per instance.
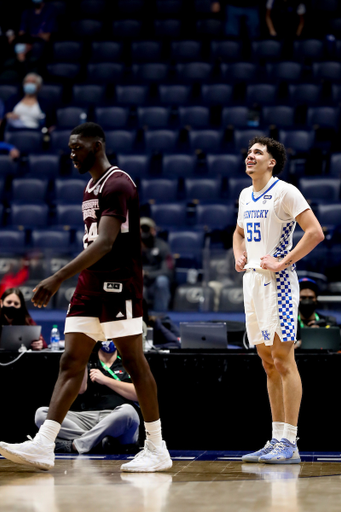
(231, 299)
(235, 117)
(280, 116)
(51, 239)
(150, 72)
(327, 71)
(174, 94)
(169, 215)
(86, 95)
(285, 71)
(186, 51)
(127, 29)
(105, 72)
(305, 94)
(146, 51)
(12, 240)
(240, 72)
(52, 94)
(315, 190)
(266, 50)
(167, 28)
(335, 165)
(111, 117)
(7, 166)
(191, 72)
(153, 117)
(236, 185)
(2, 187)
(186, 246)
(323, 117)
(193, 297)
(92, 9)
(169, 8)
(209, 140)
(1, 213)
(215, 216)
(8, 91)
(106, 51)
(69, 190)
(27, 141)
(209, 27)
(87, 28)
(28, 215)
(308, 50)
(67, 51)
(178, 165)
(44, 165)
(202, 189)
(130, 7)
(225, 50)
(228, 165)
(63, 71)
(158, 190)
(297, 141)
(69, 215)
(135, 165)
(261, 95)
(69, 117)
(29, 190)
(120, 141)
(194, 116)
(161, 140)
(217, 94)
(242, 137)
(59, 142)
(329, 216)
(132, 94)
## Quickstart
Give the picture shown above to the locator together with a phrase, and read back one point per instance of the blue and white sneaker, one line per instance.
(283, 453)
(254, 457)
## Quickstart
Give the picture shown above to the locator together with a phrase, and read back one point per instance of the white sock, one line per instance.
(290, 433)
(277, 430)
(48, 432)
(153, 432)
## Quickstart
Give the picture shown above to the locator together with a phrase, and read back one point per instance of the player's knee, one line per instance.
(70, 364)
(40, 416)
(281, 365)
(269, 367)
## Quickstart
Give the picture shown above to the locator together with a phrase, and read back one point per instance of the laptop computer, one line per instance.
(13, 336)
(203, 335)
(321, 338)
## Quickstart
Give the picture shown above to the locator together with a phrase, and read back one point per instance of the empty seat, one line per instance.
(327, 71)
(305, 94)
(169, 28)
(325, 189)
(69, 117)
(235, 117)
(51, 239)
(69, 190)
(203, 189)
(266, 50)
(120, 141)
(261, 94)
(106, 51)
(131, 94)
(217, 94)
(169, 7)
(178, 165)
(92, 9)
(134, 165)
(67, 51)
(186, 51)
(12, 240)
(168, 215)
(236, 185)
(174, 94)
(153, 117)
(281, 116)
(146, 51)
(193, 298)
(329, 216)
(27, 141)
(87, 28)
(69, 215)
(215, 216)
(29, 190)
(59, 142)
(206, 140)
(187, 246)
(105, 72)
(335, 165)
(28, 215)
(240, 72)
(308, 50)
(111, 117)
(225, 51)
(323, 117)
(127, 29)
(285, 71)
(224, 165)
(297, 141)
(7, 166)
(43, 165)
(8, 91)
(157, 190)
(86, 95)
(231, 299)
(52, 95)
(242, 138)
(194, 116)
(209, 27)
(161, 140)
(150, 72)
(63, 71)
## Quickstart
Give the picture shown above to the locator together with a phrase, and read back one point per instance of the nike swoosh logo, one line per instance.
(267, 284)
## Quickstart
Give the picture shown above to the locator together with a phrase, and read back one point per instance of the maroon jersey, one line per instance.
(120, 270)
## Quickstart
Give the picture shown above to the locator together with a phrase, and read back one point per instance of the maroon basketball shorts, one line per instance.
(103, 318)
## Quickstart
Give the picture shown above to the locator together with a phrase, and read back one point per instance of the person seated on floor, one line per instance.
(105, 416)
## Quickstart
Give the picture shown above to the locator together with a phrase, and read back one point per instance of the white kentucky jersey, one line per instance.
(268, 219)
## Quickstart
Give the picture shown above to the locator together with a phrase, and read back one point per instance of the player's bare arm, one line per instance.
(108, 229)
(239, 249)
(313, 235)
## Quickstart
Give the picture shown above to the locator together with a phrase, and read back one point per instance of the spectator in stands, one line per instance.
(8, 149)
(237, 12)
(285, 18)
(105, 415)
(19, 59)
(158, 267)
(39, 21)
(14, 312)
(307, 315)
(28, 112)
(165, 333)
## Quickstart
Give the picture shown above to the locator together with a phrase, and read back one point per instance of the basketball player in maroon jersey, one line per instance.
(107, 304)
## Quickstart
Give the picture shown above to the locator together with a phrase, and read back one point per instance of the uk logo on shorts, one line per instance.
(266, 335)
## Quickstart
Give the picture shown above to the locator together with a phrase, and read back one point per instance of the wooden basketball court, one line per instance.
(198, 481)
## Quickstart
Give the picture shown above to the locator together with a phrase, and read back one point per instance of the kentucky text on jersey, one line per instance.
(256, 214)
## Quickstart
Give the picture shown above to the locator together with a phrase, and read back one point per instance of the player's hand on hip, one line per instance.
(270, 263)
(241, 262)
(45, 290)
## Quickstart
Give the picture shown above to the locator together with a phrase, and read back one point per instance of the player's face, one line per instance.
(258, 160)
(82, 153)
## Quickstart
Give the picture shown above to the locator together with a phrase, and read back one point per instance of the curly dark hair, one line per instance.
(275, 149)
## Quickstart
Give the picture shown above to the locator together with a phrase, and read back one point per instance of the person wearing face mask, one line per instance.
(158, 267)
(105, 417)
(307, 314)
(39, 21)
(27, 113)
(14, 312)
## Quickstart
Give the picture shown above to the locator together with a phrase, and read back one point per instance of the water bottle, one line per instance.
(54, 338)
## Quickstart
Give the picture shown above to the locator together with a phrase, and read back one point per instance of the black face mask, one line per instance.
(307, 307)
(11, 312)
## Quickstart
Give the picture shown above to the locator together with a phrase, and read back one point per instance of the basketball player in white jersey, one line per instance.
(262, 245)
(107, 304)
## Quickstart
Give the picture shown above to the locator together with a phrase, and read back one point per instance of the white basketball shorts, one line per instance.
(271, 305)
